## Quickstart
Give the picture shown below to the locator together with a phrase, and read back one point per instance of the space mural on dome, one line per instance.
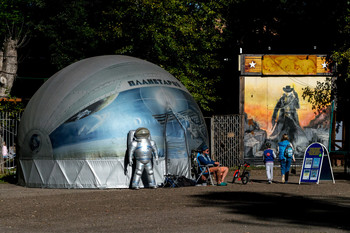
(274, 106)
(100, 130)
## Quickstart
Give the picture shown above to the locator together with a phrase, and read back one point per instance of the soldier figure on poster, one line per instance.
(287, 121)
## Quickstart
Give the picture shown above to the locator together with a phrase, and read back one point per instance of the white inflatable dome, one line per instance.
(73, 133)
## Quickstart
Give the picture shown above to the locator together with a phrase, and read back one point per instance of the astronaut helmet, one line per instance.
(141, 133)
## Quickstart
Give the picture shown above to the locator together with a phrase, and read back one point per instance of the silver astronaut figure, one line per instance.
(141, 147)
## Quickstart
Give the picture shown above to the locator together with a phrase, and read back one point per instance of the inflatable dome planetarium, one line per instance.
(73, 132)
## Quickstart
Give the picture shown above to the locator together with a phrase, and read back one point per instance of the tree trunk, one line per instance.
(9, 66)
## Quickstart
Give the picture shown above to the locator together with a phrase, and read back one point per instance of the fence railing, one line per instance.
(226, 139)
(8, 135)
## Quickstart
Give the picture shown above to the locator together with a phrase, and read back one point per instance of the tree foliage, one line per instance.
(14, 30)
(183, 37)
(15, 21)
(338, 87)
(12, 18)
(321, 96)
(68, 27)
(190, 39)
(11, 105)
(342, 81)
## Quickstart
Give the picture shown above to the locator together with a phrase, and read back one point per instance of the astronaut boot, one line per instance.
(135, 184)
(152, 184)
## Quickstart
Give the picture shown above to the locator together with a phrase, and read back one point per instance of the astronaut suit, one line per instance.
(141, 148)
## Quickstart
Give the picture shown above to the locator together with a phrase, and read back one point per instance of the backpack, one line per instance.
(182, 181)
(173, 181)
(288, 152)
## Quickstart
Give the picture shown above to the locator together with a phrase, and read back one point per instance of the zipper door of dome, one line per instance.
(177, 157)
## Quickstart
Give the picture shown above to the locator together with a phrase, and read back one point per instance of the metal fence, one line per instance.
(227, 139)
(8, 134)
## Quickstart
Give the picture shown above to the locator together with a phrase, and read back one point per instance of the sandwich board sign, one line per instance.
(316, 164)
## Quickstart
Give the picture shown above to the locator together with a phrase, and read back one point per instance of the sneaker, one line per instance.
(222, 184)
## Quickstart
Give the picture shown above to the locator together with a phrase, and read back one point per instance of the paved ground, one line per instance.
(255, 207)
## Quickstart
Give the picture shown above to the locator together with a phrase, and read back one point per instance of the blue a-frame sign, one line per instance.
(316, 164)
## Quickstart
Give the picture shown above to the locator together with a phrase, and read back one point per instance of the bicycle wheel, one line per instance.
(245, 179)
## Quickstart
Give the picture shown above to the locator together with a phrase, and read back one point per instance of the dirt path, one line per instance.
(255, 207)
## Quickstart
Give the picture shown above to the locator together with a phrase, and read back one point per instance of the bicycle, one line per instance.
(242, 176)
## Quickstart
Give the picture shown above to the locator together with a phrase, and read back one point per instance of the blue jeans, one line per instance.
(285, 165)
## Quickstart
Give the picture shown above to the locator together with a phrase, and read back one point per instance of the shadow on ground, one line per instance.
(341, 175)
(338, 175)
(9, 178)
(282, 208)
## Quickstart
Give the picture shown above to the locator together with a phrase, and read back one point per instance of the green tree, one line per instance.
(341, 60)
(321, 96)
(69, 28)
(285, 26)
(12, 106)
(181, 36)
(14, 32)
(337, 87)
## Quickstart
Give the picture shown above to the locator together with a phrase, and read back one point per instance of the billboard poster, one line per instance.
(273, 106)
(272, 103)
